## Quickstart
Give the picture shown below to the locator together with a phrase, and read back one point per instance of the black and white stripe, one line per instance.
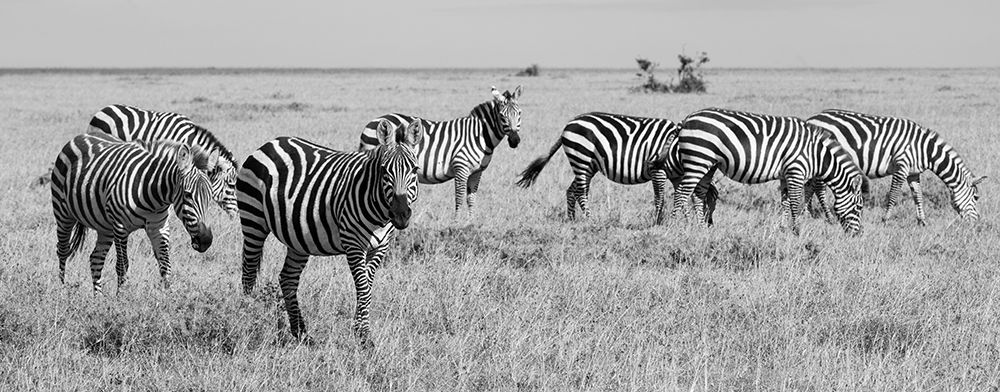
(621, 147)
(130, 123)
(322, 202)
(460, 149)
(116, 187)
(755, 148)
(890, 146)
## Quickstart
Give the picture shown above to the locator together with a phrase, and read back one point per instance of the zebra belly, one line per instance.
(306, 230)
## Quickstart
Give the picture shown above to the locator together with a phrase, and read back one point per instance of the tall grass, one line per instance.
(513, 296)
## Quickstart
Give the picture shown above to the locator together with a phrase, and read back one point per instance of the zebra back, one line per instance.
(470, 140)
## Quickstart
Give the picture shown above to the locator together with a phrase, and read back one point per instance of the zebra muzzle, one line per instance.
(399, 211)
(513, 138)
(203, 239)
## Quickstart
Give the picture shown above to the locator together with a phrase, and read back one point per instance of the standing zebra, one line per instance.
(620, 147)
(755, 148)
(322, 202)
(116, 187)
(130, 123)
(884, 146)
(462, 148)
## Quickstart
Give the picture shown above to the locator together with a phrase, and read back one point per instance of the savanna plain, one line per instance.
(512, 296)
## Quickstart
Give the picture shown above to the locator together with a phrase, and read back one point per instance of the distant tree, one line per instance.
(689, 75)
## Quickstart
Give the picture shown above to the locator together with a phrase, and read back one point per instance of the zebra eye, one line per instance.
(415, 169)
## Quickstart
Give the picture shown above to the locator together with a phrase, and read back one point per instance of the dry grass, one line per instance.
(514, 297)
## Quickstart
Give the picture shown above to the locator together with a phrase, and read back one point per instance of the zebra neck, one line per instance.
(369, 190)
(490, 133)
(946, 164)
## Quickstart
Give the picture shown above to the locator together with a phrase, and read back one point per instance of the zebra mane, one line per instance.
(214, 142)
(167, 148)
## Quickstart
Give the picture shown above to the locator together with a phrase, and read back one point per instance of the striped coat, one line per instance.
(322, 202)
(755, 148)
(619, 146)
(131, 123)
(116, 187)
(890, 146)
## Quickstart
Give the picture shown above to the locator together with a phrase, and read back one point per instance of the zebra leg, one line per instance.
(819, 189)
(362, 327)
(253, 249)
(571, 201)
(894, 190)
(473, 187)
(659, 188)
(288, 279)
(64, 233)
(686, 185)
(97, 258)
(794, 192)
(159, 238)
(121, 254)
(918, 197)
(461, 185)
(583, 193)
(357, 260)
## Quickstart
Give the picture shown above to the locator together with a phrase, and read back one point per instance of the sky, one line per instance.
(497, 33)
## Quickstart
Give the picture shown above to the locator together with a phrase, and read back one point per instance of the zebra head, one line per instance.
(668, 157)
(965, 197)
(223, 181)
(193, 164)
(844, 177)
(398, 161)
(509, 114)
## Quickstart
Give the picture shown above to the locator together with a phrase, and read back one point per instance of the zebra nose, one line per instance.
(514, 139)
(202, 240)
(400, 212)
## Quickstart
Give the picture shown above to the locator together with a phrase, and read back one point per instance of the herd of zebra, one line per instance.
(135, 164)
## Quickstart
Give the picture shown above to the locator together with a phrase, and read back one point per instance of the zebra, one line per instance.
(322, 202)
(619, 146)
(755, 148)
(116, 187)
(460, 149)
(890, 146)
(131, 123)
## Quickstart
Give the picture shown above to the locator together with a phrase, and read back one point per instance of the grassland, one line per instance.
(514, 297)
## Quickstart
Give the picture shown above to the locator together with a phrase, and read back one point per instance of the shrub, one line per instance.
(532, 70)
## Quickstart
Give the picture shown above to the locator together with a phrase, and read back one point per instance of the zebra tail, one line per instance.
(76, 240)
(530, 174)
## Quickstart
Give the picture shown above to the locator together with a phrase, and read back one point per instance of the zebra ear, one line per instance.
(856, 183)
(978, 180)
(213, 161)
(413, 132)
(496, 94)
(386, 133)
(184, 159)
(517, 93)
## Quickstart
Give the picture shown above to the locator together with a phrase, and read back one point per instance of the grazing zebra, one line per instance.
(462, 148)
(322, 202)
(755, 148)
(116, 187)
(884, 146)
(131, 123)
(620, 147)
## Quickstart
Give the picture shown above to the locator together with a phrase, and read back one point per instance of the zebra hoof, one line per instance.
(921, 222)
